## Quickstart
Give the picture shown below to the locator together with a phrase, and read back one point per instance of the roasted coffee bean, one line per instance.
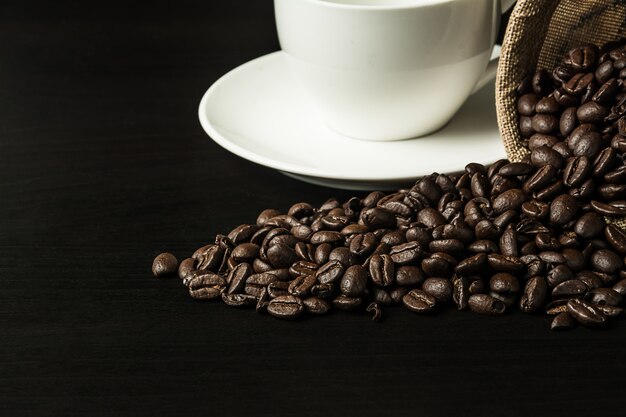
(604, 296)
(504, 283)
(301, 286)
(439, 264)
(324, 291)
(541, 82)
(591, 112)
(382, 270)
(562, 321)
(613, 209)
(559, 274)
(534, 295)
(239, 300)
(406, 253)
(314, 305)
(262, 279)
(504, 263)
(397, 293)
(585, 313)
(543, 155)
(396, 237)
(547, 105)
(354, 281)
(537, 140)
(588, 145)
(430, 218)
(440, 288)
(604, 71)
(563, 209)
(205, 285)
(265, 215)
(330, 272)
(378, 218)
(485, 304)
(572, 288)
(326, 236)
(419, 301)
(482, 246)
(185, 267)
(409, 275)
(604, 162)
(610, 311)
(245, 252)
(543, 177)
(576, 171)
(305, 251)
(508, 200)
(286, 307)
(472, 265)
(589, 225)
(460, 292)
(526, 104)
(303, 268)
(620, 287)
(281, 255)
(238, 276)
(450, 246)
(606, 261)
(243, 233)
(278, 289)
(606, 92)
(346, 303)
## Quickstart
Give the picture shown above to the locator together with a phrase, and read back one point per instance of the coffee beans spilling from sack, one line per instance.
(533, 235)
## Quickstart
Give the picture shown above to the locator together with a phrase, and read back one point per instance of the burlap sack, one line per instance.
(538, 34)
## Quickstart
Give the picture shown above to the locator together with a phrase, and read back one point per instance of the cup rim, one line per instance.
(417, 4)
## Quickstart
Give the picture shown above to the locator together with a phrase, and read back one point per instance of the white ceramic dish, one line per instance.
(259, 112)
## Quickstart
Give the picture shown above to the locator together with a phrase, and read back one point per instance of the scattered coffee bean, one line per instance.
(165, 264)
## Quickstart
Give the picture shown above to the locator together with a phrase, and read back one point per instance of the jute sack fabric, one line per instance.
(538, 34)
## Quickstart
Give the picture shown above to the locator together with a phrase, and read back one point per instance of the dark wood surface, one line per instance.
(103, 164)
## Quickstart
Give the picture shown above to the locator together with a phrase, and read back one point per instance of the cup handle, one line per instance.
(490, 72)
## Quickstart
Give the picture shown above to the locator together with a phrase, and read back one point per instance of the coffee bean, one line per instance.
(606, 261)
(590, 112)
(205, 285)
(314, 305)
(406, 253)
(164, 264)
(440, 288)
(281, 255)
(588, 145)
(419, 301)
(485, 304)
(620, 287)
(504, 263)
(563, 209)
(508, 200)
(301, 286)
(430, 218)
(382, 270)
(239, 300)
(286, 307)
(409, 275)
(562, 321)
(460, 292)
(185, 267)
(610, 311)
(330, 272)
(572, 288)
(346, 303)
(438, 264)
(526, 104)
(354, 281)
(378, 218)
(605, 296)
(559, 274)
(238, 276)
(544, 155)
(585, 313)
(265, 215)
(534, 295)
(504, 283)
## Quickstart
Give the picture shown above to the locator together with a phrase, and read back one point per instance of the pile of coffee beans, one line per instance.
(535, 235)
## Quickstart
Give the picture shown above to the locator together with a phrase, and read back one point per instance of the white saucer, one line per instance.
(259, 112)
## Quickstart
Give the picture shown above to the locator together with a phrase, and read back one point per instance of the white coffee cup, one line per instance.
(389, 69)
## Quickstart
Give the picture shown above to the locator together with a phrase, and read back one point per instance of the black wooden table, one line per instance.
(103, 164)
